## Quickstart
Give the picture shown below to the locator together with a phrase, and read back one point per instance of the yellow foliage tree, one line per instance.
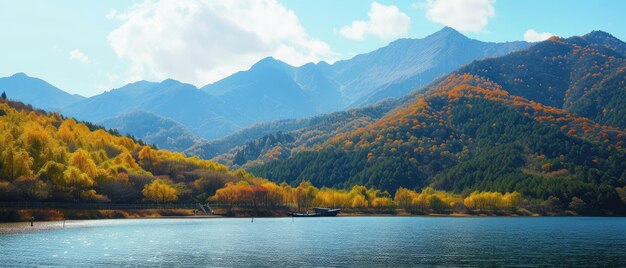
(275, 194)
(227, 195)
(148, 158)
(160, 191)
(359, 202)
(404, 197)
(421, 202)
(305, 194)
(493, 200)
(512, 200)
(15, 163)
(382, 202)
(76, 181)
(82, 161)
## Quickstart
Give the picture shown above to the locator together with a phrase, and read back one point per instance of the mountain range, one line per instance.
(203, 114)
(273, 90)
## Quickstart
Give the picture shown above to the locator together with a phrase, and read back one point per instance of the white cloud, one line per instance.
(533, 36)
(385, 22)
(463, 15)
(201, 41)
(112, 14)
(79, 56)
(111, 81)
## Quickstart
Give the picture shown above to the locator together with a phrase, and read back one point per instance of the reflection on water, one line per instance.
(341, 241)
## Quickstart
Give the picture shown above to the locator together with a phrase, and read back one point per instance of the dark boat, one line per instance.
(328, 211)
(319, 212)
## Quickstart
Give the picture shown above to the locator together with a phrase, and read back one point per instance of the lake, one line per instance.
(339, 241)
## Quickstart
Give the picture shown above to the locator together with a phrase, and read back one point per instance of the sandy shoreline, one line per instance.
(25, 226)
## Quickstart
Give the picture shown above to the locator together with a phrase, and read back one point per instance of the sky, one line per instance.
(88, 47)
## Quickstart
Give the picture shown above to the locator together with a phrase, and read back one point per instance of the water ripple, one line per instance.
(341, 241)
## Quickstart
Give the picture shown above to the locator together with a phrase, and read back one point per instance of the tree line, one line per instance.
(428, 200)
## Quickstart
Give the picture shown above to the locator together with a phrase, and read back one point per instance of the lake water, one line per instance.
(340, 241)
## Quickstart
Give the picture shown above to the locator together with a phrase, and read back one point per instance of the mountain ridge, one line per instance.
(200, 112)
(153, 129)
(36, 92)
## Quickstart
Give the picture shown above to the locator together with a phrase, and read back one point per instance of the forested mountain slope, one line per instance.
(305, 131)
(281, 144)
(45, 157)
(468, 132)
(583, 75)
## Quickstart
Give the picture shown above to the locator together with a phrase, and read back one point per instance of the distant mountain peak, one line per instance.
(323, 63)
(447, 32)
(177, 84)
(170, 81)
(19, 75)
(605, 38)
(270, 62)
(555, 38)
(36, 92)
(448, 29)
(598, 34)
(271, 65)
(269, 59)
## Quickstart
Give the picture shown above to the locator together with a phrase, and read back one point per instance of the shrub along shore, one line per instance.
(245, 200)
(25, 215)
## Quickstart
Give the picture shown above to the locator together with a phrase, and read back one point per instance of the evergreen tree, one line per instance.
(4, 95)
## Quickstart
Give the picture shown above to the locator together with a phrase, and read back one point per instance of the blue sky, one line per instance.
(87, 47)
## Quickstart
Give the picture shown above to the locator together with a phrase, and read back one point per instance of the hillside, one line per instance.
(36, 92)
(308, 133)
(582, 75)
(468, 132)
(46, 157)
(163, 132)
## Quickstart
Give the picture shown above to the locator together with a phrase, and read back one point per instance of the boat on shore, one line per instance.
(318, 212)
